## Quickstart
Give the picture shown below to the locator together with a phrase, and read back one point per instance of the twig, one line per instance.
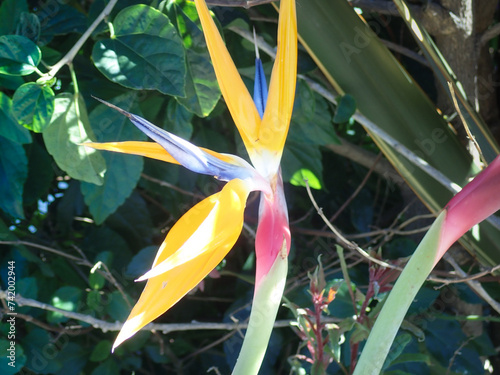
(489, 34)
(464, 123)
(46, 248)
(238, 3)
(340, 238)
(358, 189)
(457, 352)
(116, 326)
(473, 284)
(385, 232)
(351, 245)
(406, 52)
(68, 58)
(81, 261)
(170, 186)
(72, 331)
(375, 129)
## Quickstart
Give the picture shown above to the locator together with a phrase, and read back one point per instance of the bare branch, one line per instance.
(68, 58)
(116, 326)
(238, 3)
(473, 284)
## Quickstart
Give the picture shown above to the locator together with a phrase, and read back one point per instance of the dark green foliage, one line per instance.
(81, 224)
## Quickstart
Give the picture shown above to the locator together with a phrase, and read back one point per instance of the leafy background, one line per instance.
(81, 225)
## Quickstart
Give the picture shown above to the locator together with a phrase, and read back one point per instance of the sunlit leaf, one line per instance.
(123, 171)
(178, 120)
(202, 89)
(28, 26)
(33, 106)
(60, 18)
(300, 177)
(145, 53)
(68, 129)
(19, 56)
(65, 298)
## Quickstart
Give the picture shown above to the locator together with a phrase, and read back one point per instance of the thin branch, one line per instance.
(68, 58)
(489, 34)
(385, 232)
(358, 189)
(72, 331)
(353, 246)
(105, 272)
(473, 284)
(238, 3)
(171, 186)
(48, 249)
(376, 130)
(406, 52)
(340, 238)
(464, 123)
(116, 326)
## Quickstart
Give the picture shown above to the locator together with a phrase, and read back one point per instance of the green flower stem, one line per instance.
(266, 301)
(399, 300)
(73, 78)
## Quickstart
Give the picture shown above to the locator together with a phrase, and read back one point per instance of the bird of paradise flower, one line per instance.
(201, 238)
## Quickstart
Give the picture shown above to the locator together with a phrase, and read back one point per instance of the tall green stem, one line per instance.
(266, 302)
(400, 298)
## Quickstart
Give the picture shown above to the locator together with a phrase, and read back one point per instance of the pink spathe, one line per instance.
(479, 199)
(272, 230)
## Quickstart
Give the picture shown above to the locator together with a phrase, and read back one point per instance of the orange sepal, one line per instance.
(183, 270)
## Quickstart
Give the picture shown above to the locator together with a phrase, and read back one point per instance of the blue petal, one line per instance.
(187, 154)
(260, 88)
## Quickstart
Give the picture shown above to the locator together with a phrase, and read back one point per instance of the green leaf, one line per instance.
(73, 358)
(10, 11)
(11, 364)
(33, 106)
(96, 280)
(68, 129)
(10, 129)
(109, 367)
(28, 26)
(124, 171)
(28, 288)
(13, 174)
(178, 120)
(101, 351)
(59, 19)
(312, 121)
(35, 341)
(94, 301)
(202, 89)
(117, 308)
(19, 56)
(65, 298)
(399, 344)
(297, 156)
(305, 174)
(141, 262)
(10, 82)
(345, 109)
(146, 52)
